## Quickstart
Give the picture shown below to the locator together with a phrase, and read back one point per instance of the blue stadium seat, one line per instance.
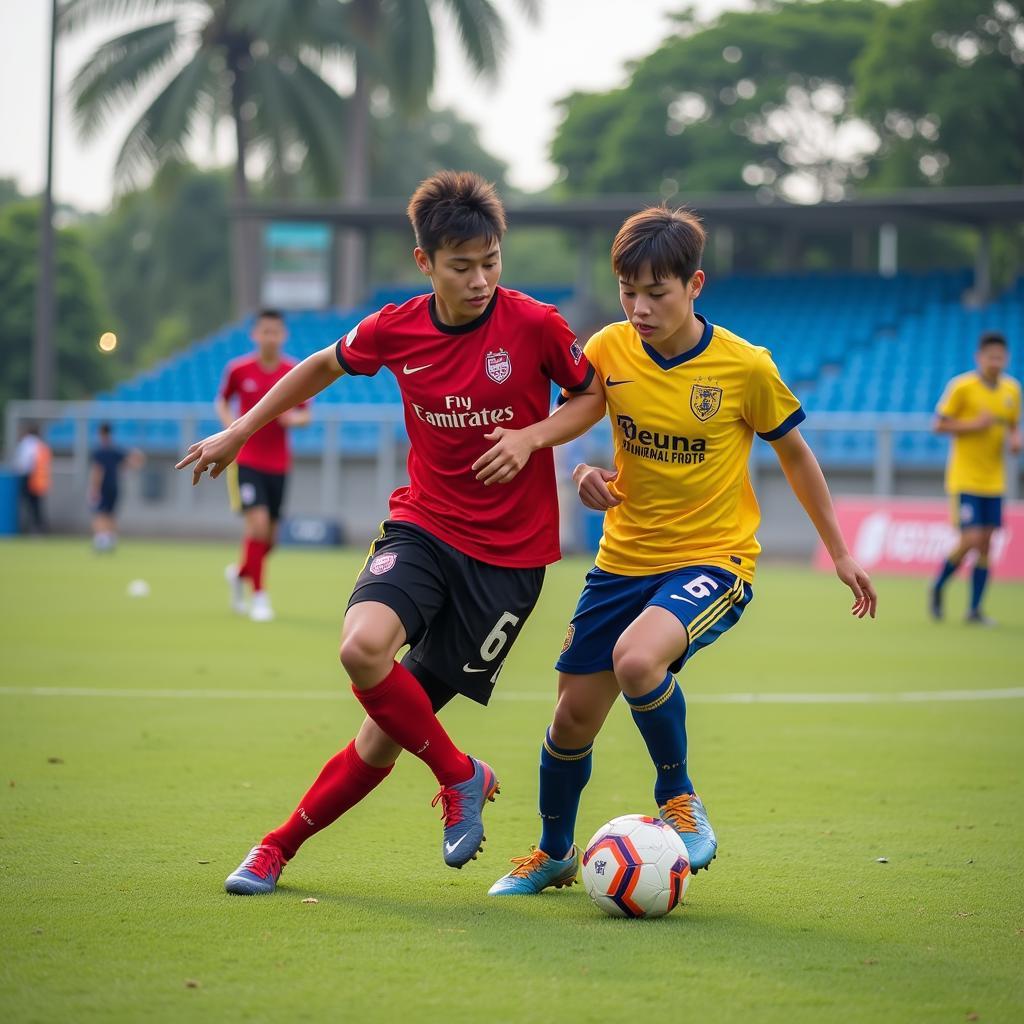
(847, 342)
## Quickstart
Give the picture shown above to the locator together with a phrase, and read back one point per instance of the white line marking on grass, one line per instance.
(906, 697)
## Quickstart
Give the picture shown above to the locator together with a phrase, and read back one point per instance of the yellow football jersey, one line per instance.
(976, 463)
(683, 429)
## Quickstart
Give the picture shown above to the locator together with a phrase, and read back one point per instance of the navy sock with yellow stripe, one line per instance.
(979, 580)
(661, 718)
(563, 775)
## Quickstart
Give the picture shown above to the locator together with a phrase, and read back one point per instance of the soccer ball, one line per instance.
(636, 866)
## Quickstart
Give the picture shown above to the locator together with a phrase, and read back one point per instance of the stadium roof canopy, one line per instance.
(970, 207)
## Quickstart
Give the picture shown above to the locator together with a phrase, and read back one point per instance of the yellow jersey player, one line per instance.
(676, 561)
(981, 413)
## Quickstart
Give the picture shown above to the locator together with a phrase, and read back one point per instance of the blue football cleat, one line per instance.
(257, 875)
(687, 816)
(537, 872)
(462, 809)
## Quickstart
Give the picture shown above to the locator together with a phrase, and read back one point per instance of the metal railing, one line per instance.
(190, 415)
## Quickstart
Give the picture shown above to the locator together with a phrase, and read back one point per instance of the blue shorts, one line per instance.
(974, 510)
(705, 599)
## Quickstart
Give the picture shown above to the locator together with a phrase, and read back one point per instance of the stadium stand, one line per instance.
(846, 342)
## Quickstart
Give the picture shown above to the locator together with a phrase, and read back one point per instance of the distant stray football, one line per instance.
(138, 588)
(636, 866)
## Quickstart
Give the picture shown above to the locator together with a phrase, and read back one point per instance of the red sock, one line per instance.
(399, 705)
(257, 554)
(244, 557)
(341, 784)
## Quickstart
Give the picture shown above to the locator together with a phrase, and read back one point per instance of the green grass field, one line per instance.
(126, 804)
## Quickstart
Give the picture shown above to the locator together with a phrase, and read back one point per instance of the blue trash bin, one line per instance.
(8, 503)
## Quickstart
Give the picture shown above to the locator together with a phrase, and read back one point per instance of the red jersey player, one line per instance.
(257, 485)
(458, 566)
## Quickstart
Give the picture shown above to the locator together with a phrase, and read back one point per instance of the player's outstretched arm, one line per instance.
(298, 385)
(512, 448)
(808, 484)
(1013, 440)
(951, 425)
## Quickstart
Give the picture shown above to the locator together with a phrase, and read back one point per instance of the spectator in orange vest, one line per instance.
(32, 460)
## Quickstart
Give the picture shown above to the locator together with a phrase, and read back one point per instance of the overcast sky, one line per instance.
(579, 45)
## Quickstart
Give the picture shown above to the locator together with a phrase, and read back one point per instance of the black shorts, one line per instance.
(461, 615)
(106, 504)
(257, 489)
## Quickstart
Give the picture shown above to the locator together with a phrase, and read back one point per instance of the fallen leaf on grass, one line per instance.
(203, 862)
(973, 1016)
(310, 899)
(55, 760)
(192, 983)
(869, 962)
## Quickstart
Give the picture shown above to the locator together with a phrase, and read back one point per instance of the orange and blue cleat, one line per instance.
(536, 872)
(687, 816)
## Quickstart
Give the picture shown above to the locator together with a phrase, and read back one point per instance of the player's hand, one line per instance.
(984, 420)
(865, 600)
(503, 461)
(214, 453)
(592, 484)
(1015, 443)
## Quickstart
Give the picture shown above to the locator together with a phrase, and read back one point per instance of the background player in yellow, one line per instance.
(677, 557)
(980, 411)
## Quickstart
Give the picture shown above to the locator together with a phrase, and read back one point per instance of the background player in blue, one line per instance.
(678, 552)
(104, 486)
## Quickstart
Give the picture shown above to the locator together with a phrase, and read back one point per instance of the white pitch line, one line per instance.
(906, 697)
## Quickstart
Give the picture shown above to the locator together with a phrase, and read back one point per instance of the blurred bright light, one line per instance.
(108, 341)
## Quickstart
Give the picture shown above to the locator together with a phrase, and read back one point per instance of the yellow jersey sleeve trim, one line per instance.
(796, 417)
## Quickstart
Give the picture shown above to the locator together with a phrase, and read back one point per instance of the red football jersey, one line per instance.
(267, 449)
(457, 384)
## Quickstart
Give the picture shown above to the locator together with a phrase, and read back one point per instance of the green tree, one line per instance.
(81, 313)
(393, 46)
(255, 63)
(163, 255)
(942, 82)
(756, 98)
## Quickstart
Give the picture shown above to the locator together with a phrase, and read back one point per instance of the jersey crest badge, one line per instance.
(382, 563)
(498, 366)
(705, 401)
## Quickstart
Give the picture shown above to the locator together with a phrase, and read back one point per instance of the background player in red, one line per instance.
(458, 566)
(257, 482)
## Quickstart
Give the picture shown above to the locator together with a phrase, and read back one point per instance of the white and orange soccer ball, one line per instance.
(636, 866)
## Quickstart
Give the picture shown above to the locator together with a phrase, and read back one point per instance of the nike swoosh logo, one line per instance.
(615, 383)
(468, 668)
(676, 597)
(407, 369)
(452, 847)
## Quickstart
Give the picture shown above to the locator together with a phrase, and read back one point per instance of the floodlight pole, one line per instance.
(44, 362)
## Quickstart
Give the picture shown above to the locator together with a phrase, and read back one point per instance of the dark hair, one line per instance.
(106, 429)
(270, 314)
(451, 207)
(671, 241)
(991, 338)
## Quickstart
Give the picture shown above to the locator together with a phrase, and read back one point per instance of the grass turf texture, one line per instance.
(112, 858)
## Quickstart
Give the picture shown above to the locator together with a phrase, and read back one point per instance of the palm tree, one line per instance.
(392, 44)
(253, 62)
